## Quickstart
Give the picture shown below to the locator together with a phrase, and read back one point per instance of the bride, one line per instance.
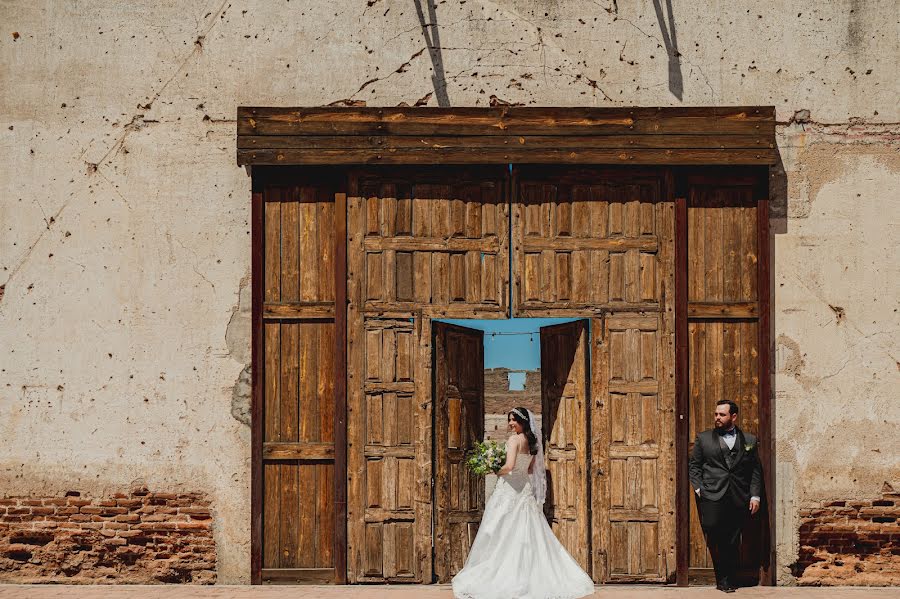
(515, 555)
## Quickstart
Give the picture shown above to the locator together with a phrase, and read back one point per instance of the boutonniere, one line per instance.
(749, 447)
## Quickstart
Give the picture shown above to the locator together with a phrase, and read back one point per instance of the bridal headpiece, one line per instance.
(519, 413)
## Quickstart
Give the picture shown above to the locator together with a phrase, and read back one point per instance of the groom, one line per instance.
(726, 475)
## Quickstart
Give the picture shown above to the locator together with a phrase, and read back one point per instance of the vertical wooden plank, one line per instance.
(271, 550)
(327, 248)
(751, 243)
(714, 248)
(403, 224)
(340, 371)
(616, 215)
(303, 532)
(632, 276)
(309, 253)
(600, 208)
(682, 382)
(473, 211)
(531, 286)
(374, 419)
(308, 367)
(325, 519)
(563, 221)
(374, 543)
(289, 491)
(289, 417)
(440, 278)
(581, 211)
(404, 276)
(731, 259)
(457, 277)
(375, 276)
(730, 362)
(472, 277)
(260, 247)
(326, 376)
(696, 248)
(423, 450)
(582, 276)
(422, 277)
(600, 471)
(548, 276)
(359, 536)
(563, 276)
(290, 248)
(617, 275)
(387, 198)
(271, 237)
(667, 464)
(389, 274)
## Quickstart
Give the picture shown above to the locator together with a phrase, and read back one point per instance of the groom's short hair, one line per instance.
(733, 407)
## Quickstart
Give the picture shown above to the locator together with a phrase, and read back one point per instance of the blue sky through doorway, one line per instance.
(512, 343)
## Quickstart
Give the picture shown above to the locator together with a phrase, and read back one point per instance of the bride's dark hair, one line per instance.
(526, 429)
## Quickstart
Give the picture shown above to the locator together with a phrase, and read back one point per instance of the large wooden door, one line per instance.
(600, 242)
(723, 314)
(300, 537)
(564, 411)
(459, 423)
(423, 243)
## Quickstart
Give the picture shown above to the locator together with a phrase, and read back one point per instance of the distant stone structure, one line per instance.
(498, 399)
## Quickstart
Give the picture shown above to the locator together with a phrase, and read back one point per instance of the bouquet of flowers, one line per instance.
(486, 457)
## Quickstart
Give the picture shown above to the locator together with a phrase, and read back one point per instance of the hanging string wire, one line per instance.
(530, 334)
(515, 333)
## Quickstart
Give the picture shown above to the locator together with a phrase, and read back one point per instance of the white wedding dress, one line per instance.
(515, 554)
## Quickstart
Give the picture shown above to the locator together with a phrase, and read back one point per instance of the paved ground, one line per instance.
(411, 592)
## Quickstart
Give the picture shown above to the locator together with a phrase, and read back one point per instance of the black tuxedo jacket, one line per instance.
(711, 473)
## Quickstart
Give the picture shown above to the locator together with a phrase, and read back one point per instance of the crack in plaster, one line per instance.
(134, 124)
(401, 69)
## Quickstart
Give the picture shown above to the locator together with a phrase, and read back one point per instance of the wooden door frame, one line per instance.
(742, 136)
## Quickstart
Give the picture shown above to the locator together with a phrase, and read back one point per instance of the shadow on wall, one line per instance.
(433, 42)
(670, 40)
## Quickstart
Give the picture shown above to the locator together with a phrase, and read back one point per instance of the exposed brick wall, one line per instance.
(851, 542)
(139, 537)
(498, 398)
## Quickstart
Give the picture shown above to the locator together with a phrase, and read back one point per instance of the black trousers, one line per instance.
(722, 521)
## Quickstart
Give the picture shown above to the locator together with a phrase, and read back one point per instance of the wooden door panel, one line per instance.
(564, 411)
(384, 475)
(434, 239)
(298, 385)
(584, 239)
(459, 423)
(633, 445)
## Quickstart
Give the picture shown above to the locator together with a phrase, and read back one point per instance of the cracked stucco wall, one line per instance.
(124, 254)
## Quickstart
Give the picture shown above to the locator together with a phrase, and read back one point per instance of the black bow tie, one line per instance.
(728, 432)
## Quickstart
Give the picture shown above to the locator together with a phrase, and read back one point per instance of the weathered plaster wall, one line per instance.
(124, 254)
